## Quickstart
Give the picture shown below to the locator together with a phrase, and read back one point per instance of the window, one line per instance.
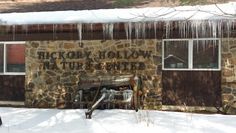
(12, 58)
(15, 58)
(205, 54)
(191, 54)
(176, 54)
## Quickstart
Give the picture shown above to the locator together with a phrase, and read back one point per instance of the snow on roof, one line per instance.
(205, 12)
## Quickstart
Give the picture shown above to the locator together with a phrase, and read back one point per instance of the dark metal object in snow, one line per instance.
(0, 121)
(108, 96)
(107, 93)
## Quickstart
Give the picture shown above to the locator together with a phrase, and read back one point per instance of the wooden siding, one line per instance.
(12, 88)
(191, 88)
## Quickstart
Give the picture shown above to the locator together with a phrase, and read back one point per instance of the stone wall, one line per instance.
(229, 75)
(49, 85)
(53, 68)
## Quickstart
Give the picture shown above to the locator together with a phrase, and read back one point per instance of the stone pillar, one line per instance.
(228, 82)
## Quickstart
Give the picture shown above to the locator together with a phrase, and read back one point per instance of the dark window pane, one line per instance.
(206, 54)
(15, 58)
(1, 58)
(176, 54)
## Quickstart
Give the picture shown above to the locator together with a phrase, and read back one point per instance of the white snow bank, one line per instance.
(206, 12)
(23, 120)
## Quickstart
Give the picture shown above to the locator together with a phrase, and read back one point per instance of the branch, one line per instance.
(223, 11)
(174, 11)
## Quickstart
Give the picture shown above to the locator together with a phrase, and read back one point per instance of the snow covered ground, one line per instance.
(24, 120)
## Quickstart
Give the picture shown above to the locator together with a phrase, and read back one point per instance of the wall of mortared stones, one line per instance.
(228, 82)
(53, 68)
(56, 88)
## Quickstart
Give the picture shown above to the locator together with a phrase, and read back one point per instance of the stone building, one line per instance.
(184, 56)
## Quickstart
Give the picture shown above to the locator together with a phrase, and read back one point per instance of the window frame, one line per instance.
(190, 55)
(5, 58)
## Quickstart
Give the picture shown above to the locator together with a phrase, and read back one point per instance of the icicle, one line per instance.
(136, 30)
(175, 24)
(210, 27)
(192, 29)
(228, 30)
(218, 28)
(53, 31)
(182, 28)
(185, 29)
(56, 28)
(229, 27)
(25, 28)
(137, 27)
(126, 30)
(108, 30)
(155, 29)
(167, 29)
(188, 29)
(149, 26)
(104, 30)
(197, 28)
(130, 31)
(79, 30)
(214, 32)
(13, 31)
(197, 47)
(195, 32)
(91, 29)
(203, 28)
(143, 30)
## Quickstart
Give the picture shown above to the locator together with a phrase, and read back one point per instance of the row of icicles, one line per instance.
(186, 29)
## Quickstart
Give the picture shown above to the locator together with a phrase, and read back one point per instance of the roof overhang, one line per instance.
(225, 11)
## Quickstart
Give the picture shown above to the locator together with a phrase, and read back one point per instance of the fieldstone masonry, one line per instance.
(53, 68)
(51, 78)
(229, 75)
